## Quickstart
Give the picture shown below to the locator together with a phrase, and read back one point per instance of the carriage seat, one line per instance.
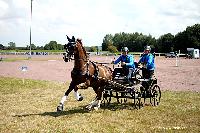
(118, 73)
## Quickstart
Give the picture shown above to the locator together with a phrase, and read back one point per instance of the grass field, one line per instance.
(31, 107)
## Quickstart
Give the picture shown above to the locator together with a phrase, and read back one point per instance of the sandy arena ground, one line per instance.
(184, 77)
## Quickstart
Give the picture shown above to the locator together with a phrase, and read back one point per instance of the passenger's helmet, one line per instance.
(147, 48)
(125, 49)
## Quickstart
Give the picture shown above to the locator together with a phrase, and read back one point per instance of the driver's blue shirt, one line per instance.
(148, 59)
(128, 59)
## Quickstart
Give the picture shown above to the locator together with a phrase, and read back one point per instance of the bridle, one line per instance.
(70, 48)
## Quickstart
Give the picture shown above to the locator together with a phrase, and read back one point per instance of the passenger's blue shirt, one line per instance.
(148, 59)
(128, 59)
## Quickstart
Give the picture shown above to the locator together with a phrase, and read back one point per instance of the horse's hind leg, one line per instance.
(97, 101)
(64, 98)
(99, 95)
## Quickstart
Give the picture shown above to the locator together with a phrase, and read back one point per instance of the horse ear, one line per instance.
(68, 38)
(79, 40)
(73, 39)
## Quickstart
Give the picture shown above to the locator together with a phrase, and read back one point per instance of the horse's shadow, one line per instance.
(119, 106)
(81, 109)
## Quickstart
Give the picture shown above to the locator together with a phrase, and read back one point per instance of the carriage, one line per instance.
(139, 91)
(106, 82)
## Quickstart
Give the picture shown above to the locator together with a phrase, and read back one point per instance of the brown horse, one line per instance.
(85, 74)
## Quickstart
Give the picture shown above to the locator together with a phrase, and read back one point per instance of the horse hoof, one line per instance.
(60, 108)
(96, 108)
(88, 108)
(80, 98)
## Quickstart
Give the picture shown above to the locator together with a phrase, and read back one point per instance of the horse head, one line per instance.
(74, 47)
(69, 47)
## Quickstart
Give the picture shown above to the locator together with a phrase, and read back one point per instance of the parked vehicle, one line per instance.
(170, 55)
(192, 53)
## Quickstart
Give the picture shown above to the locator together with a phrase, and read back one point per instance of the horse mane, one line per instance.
(79, 41)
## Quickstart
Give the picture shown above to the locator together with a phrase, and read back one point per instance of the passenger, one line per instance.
(147, 60)
(127, 62)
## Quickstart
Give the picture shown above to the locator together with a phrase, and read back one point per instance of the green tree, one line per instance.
(1, 46)
(60, 47)
(193, 33)
(11, 46)
(134, 41)
(189, 38)
(93, 49)
(112, 49)
(165, 43)
(180, 41)
(108, 39)
(40, 48)
(119, 40)
(33, 47)
(52, 45)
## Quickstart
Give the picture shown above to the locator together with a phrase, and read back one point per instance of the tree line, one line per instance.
(52, 45)
(189, 38)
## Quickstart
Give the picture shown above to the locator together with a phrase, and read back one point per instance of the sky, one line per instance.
(91, 20)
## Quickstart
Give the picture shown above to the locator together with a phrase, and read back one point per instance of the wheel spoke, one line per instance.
(156, 94)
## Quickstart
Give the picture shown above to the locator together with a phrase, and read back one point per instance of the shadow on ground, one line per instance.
(79, 109)
(82, 110)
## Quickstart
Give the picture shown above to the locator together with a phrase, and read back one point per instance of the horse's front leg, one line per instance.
(80, 86)
(83, 85)
(64, 98)
(77, 95)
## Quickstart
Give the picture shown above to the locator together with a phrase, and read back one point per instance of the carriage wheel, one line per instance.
(106, 98)
(143, 95)
(155, 94)
(138, 76)
(117, 97)
(137, 100)
(122, 98)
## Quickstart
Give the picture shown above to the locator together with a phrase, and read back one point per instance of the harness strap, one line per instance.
(96, 71)
(87, 71)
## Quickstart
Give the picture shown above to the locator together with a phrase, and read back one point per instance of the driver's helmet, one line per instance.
(148, 48)
(125, 49)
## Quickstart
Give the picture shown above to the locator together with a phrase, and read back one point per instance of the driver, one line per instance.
(127, 62)
(147, 60)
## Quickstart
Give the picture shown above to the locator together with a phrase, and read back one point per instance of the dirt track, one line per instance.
(184, 77)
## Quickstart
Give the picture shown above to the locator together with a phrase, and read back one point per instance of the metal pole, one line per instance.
(176, 61)
(30, 27)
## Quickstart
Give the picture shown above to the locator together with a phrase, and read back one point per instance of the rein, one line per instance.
(84, 59)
